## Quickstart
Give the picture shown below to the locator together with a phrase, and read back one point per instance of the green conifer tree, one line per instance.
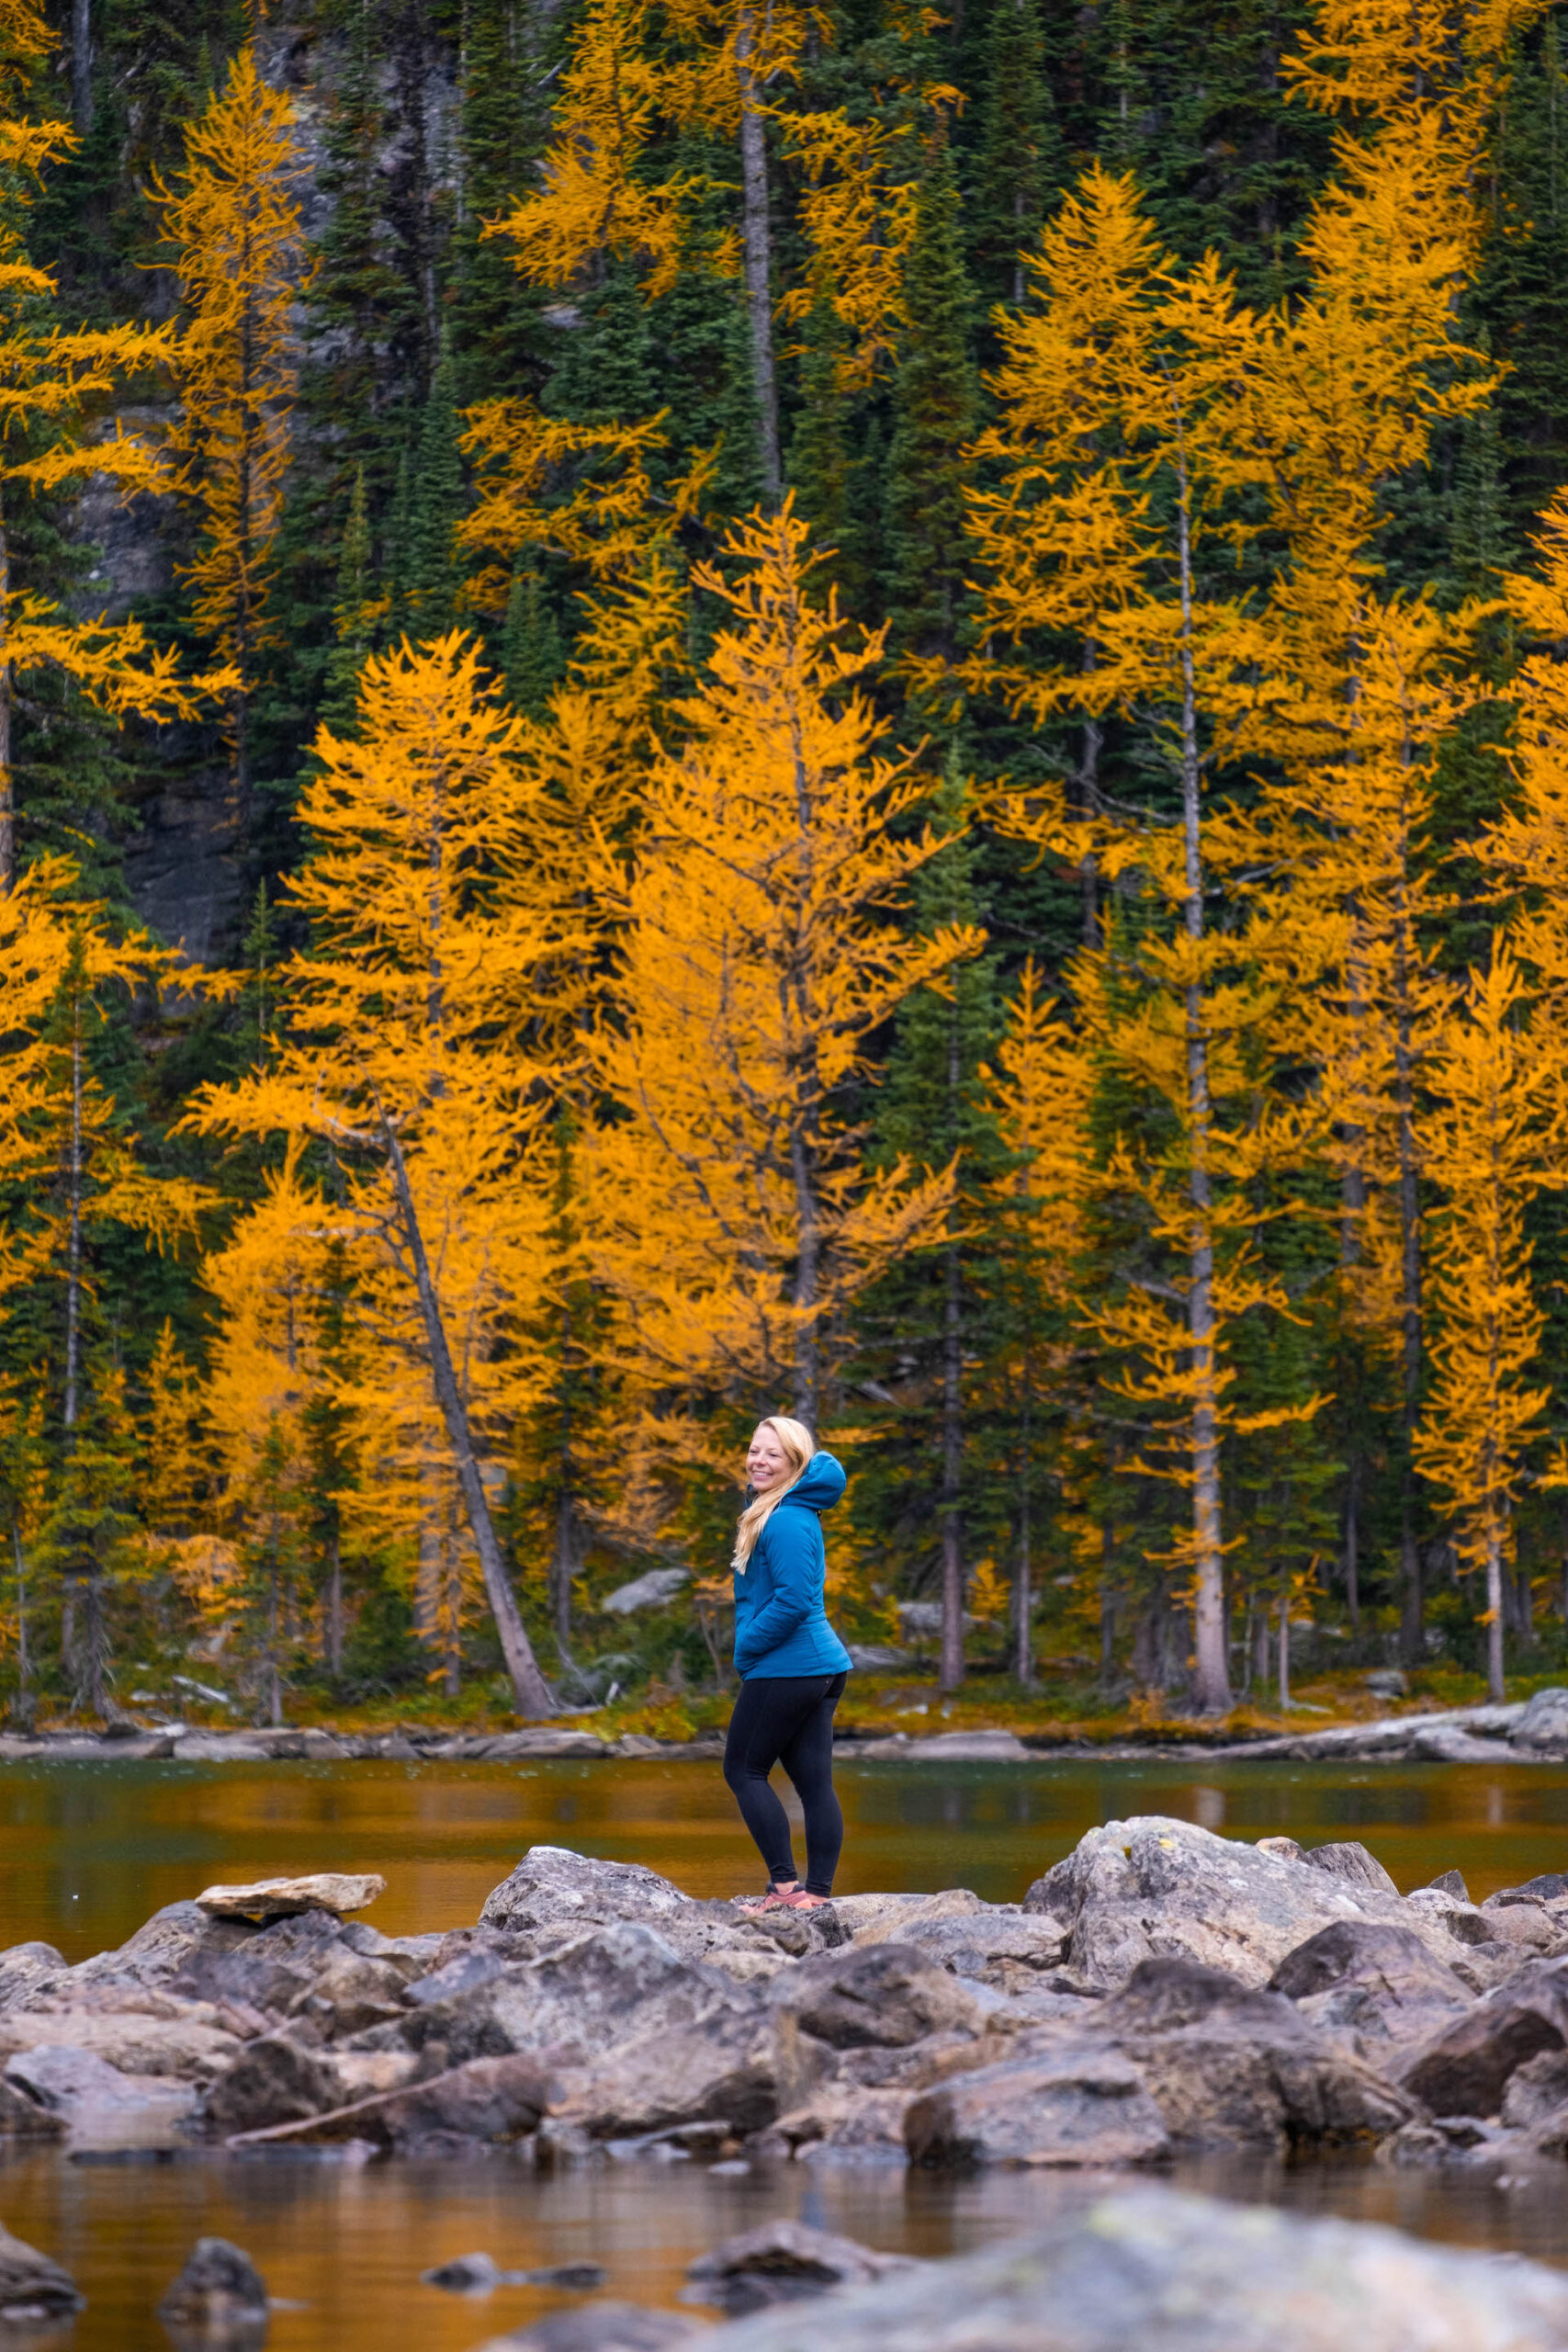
(933, 419)
(435, 507)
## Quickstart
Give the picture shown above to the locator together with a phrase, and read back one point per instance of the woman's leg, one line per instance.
(767, 1716)
(808, 1760)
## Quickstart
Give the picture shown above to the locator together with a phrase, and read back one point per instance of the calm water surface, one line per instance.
(89, 1850)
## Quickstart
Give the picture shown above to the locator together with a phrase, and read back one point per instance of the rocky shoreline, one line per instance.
(1160, 1993)
(1532, 1730)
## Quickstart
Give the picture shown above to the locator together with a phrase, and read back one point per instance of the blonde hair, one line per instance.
(799, 1445)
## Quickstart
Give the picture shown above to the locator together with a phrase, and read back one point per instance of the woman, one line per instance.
(792, 1664)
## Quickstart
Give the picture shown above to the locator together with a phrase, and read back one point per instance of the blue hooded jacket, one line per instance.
(781, 1625)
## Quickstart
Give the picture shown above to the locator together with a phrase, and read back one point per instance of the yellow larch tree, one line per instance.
(1493, 1135)
(233, 224)
(54, 383)
(404, 1057)
(732, 1211)
(1038, 1093)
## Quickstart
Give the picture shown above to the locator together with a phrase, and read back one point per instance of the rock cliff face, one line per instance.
(1162, 1991)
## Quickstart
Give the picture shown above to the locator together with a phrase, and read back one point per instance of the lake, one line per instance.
(89, 1850)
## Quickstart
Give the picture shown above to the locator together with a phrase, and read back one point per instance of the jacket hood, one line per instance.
(819, 1485)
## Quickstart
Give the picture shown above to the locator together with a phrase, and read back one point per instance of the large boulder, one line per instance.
(551, 1884)
(279, 2078)
(189, 2048)
(23, 2116)
(884, 1995)
(1542, 1728)
(1465, 2069)
(612, 1985)
(602, 2327)
(720, 2071)
(219, 2293)
(27, 1972)
(1366, 1977)
(1074, 2103)
(1152, 1887)
(1147, 2266)
(80, 2086)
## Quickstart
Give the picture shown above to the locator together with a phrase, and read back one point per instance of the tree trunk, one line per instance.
(334, 1607)
(1352, 1537)
(82, 67)
(530, 1690)
(952, 1673)
(562, 1568)
(451, 1605)
(1494, 1612)
(1209, 1628)
(1023, 1573)
(1284, 1651)
(808, 1247)
(758, 246)
(23, 1662)
(1412, 1641)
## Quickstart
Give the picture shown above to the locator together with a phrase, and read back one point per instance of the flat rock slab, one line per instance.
(284, 1898)
(949, 1748)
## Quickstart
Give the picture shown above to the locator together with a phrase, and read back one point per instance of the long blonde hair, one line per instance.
(799, 1445)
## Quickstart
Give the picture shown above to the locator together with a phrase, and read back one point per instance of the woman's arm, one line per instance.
(795, 1595)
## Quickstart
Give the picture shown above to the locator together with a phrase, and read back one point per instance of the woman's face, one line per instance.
(766, 1461)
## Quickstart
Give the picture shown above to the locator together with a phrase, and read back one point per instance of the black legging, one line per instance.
(788, 1722)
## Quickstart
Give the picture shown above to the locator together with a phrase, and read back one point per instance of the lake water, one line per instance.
(89, 1850)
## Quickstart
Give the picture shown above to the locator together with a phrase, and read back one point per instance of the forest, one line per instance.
(841, 710)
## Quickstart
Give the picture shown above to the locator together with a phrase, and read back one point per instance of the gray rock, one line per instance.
(879, 1995)
(1543, 1725)
(1138, 1889)
(220, 2295)
(1006, 1949)
(24, 2117)
(1079, 2103)
(950, 1747)
(1377, 1981)
(77, 2083)
(268, 1968)
(784, 2262)
(551, 1884)
(1450, 1882)
(28, 1971)
(541, 1740)
(1537, 2091)
(1465, 2069)
(491, 2101)
(720, 2071)
(1351, 1860)
(32, 2287)
(876, 1657)
(278, 2078)
(1150, 2268)
(603, 2327)
(1451, 1744)
(650, 1591)
(1387, 1682)
(608, 1985)
(467, 2274)
(156, 1953)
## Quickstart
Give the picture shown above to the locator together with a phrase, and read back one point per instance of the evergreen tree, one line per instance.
(933, 419)
(532, 658)
(1020, 164)
(435, 507)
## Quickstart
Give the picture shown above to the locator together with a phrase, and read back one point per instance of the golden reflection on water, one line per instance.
(89, 1850)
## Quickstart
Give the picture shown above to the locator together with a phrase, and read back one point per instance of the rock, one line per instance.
(781, 2262)
(1166, 2272)
(951, 1747)
(275, 2079)
(1528, 1926)
(603, 2327)
(720, 2071)
(268, 1968)
(1551, 1886)
(1007, 1951)
(1387, 1682)
(876, 1657)
(541, 1740)
(219, 2295)
(1137, 1889)
(1078, 2104)
(32, 2287)
(1465, 2070)
(23, 2117)
(1352, 1861)
(1543, 1725)
(885, 1996)
(77, 2083)
(1448, 1743)
(222, 1747)
(1450, 1883)
(467, 2274)
(281, 1898)
(1230, 2066)
(1537, 2090)
(184, 2047)
(27, 1970)
(494, 2100)
(650, 1591)
(609, 1985)
(882, 1918)
(156, 1953)
(1377, 1981)
(551, 1884)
